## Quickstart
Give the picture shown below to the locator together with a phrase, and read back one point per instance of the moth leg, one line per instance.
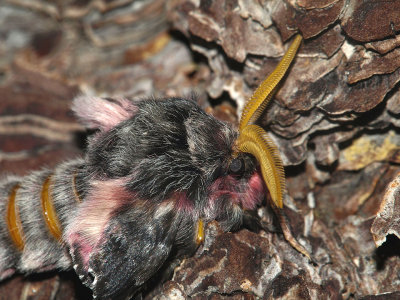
(200, 232)
(288, 233)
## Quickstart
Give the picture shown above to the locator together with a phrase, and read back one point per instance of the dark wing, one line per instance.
(135, 243)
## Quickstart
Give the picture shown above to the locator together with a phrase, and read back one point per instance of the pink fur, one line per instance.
(255, 192)
(7, 273)
(100, 113)
(248, 196)
(85, 248)
(94, 213)
(182, 203)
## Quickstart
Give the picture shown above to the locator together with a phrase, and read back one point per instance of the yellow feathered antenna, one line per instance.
(266, 90)
(254, 140)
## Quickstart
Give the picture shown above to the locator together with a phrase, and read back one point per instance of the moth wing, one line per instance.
(134, 246)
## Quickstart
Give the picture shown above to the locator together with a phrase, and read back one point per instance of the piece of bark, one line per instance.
(387, 220)
(371, 20)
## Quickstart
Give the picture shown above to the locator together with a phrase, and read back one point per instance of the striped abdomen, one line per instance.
(35, 210)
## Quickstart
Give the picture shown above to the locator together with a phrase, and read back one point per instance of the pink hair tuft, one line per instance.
(95, 212)
(95, 112)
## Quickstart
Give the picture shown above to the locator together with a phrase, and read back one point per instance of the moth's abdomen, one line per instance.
(35, 211)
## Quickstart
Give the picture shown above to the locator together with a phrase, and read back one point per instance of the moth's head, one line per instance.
(254, 161)
(254, 140)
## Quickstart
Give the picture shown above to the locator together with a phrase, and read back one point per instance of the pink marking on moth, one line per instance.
(85, 248)
(94, 214)
(95, 112)
(255, 192)
(248, 195)
(182, 202)
(7, 273)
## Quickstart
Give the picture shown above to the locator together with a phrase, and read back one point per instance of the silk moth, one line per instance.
(154, 174)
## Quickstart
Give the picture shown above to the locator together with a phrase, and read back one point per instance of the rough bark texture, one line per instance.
(335, 119)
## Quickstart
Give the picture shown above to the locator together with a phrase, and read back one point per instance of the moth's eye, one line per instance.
(237, 166)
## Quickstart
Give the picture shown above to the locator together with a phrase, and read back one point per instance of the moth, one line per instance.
(154, 174)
